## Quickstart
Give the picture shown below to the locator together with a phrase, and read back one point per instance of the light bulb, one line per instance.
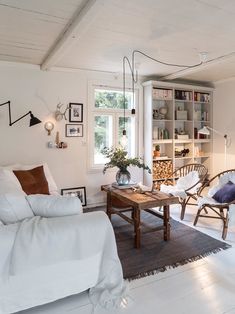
(124, 141)
(49, 126)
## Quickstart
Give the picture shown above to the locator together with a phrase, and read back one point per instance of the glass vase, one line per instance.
(123, 177)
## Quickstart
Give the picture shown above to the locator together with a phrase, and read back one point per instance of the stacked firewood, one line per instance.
(162, 169)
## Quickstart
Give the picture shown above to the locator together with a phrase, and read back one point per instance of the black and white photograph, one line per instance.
(73, 130)
(75, 112)
(79, 192)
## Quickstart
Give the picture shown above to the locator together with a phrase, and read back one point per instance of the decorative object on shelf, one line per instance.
(49, 126)
(73, 130)
(155, 114)
(182, 136)
(181, 115)
(33, 119)
(163, 112)
(118, 158)
(79, 192)
(206, 130)
(156, 152)
(182, 153)
(75, 112)
(58, 143)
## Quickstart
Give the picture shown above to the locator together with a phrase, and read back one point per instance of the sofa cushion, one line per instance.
(226, 193)
(33, 181)
(54, 205)
(14, 208)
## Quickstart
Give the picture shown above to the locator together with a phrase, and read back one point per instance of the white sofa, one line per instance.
(44, 259)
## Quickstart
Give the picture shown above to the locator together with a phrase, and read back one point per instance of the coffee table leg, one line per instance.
(109, 204)
(166, 219)
(136, 217)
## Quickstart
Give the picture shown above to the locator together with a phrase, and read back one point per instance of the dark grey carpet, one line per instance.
(156, 255)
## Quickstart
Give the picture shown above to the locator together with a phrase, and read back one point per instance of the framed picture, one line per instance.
(75, 112)
(73, 130)
(79, 192)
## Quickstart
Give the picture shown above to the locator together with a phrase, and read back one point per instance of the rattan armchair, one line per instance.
(206, 202)
(190, 192)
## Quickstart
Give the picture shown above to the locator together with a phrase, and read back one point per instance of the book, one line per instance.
(126, 186)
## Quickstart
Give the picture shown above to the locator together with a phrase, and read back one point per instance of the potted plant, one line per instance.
(118, 158)
(157, 151)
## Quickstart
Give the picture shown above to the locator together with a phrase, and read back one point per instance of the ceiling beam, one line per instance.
(203, 66)
(75, 28)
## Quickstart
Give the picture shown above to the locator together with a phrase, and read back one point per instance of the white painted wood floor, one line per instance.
(206, 286)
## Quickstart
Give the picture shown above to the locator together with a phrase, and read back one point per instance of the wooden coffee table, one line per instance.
(135, 202)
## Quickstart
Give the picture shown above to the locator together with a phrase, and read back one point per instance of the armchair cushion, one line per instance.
(183, 184)
(226, 194)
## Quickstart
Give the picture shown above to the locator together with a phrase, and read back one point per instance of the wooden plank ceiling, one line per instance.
(96, 34)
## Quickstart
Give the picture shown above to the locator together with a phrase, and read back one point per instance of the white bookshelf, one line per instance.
(189, 108)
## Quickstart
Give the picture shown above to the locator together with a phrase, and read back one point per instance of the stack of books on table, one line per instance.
(126, 186)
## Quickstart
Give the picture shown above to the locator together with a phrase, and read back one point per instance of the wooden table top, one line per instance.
(142, 200)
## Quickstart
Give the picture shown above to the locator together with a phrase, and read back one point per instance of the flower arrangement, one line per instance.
(118, 158)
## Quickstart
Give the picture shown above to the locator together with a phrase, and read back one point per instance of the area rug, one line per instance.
(156, 255)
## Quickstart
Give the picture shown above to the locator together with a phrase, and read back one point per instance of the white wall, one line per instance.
(224, 121)
(28, 88)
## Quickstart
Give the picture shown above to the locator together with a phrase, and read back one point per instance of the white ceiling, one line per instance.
(96, 34)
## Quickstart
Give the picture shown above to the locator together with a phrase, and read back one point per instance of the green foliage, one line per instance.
(157, 148)
(118, 158)
(111, 99)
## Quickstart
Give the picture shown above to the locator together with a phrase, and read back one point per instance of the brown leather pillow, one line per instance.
(33, 181)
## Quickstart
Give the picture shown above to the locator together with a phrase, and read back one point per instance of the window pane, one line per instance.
(102, 136)
(130, 133)
(112, 99)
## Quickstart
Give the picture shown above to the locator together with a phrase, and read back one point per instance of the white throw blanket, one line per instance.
(41, 242)
(182, 184)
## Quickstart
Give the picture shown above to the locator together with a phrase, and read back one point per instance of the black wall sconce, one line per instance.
(33, 119)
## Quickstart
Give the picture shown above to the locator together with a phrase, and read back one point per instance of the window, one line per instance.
(107, 123)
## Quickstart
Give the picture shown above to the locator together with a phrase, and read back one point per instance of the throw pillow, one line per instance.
(53, 189)
(14, 207)
(226, 194)
(54, 206)
(9, 182)
(33, 181)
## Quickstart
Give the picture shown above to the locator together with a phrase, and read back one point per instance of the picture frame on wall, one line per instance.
(73, 130)
(75, 112)
(79, 192)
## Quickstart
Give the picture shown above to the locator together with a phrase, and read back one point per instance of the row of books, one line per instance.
(167, 94)
(159, 93)
(203, 97)
(183, 95)
(160, 133)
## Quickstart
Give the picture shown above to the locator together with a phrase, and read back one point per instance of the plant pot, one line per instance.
(157, 153)
(123, 177)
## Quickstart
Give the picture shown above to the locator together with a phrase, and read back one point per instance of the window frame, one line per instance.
(115, 113)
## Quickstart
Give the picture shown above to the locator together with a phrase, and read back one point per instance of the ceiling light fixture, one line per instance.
(134, 76)
(33, 119)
